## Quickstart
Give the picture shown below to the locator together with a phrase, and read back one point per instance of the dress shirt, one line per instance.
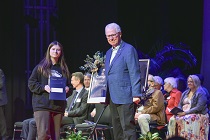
(114, 52)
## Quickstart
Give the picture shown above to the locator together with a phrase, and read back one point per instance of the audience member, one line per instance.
(77, 108)
(122, 71)
(48, 113)
(29, 131)
(87, 78)
(170, 86)
(153, 108)
(158, 82)
(150, 80)
(3, 102)
(193, 122)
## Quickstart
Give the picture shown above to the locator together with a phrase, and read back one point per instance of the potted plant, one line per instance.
(75, 136)
(149, 136)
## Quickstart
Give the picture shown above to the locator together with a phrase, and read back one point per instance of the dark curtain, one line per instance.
(80, 27)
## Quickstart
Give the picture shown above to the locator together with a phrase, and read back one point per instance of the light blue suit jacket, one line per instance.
(123, 74)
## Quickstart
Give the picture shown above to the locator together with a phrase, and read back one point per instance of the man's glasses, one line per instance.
(112, 35)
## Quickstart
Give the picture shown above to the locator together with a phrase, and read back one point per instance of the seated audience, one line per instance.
(87, 79)
(29, 131)
(91, 109)
(153, 108)
(150, 80)
(193, 122)
(158, 82)
(170, 86)
(77, 107)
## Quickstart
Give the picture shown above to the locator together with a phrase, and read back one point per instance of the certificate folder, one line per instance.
(176, 110)
(57, 88)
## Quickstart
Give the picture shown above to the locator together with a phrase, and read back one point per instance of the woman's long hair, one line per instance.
(46, 63)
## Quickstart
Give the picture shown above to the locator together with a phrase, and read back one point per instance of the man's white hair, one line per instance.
(113, 26)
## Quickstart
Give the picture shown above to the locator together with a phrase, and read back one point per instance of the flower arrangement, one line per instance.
(95, 63)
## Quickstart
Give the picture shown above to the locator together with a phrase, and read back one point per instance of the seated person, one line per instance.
(77, 107)
(158, 82)
(193, 122)
(87, 79)
(150, 80)
(29, 131)
(170, 86)
(91, 109)
(153, 109)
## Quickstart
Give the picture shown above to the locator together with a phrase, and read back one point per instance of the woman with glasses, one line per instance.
(193, 121)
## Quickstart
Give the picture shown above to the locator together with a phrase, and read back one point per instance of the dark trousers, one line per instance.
(48, 125)
(3, 126)
(123, 121)
(29, 131)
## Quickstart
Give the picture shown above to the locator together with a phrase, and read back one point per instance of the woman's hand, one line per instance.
(47, 88)
(181, 114)
(67, 89)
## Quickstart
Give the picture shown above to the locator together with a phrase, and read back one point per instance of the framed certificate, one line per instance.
(57, 88)
(144, 68)
(98, 88)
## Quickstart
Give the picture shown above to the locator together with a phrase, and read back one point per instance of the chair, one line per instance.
(104, 123)
(17, 128)
(67, 124)
(154, 127)
(161, 129)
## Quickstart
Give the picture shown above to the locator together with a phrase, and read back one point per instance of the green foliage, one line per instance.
(149, 136)
(75, 136)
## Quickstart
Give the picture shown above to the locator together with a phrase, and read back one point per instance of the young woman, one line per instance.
(48, 113)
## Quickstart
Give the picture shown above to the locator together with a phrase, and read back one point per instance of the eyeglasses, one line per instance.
(189, 81)
(112, 35)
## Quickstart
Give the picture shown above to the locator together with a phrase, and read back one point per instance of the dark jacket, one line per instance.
(79, 112)
(40, 98)
(3, 93)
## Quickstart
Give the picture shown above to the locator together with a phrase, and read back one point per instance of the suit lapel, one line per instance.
(108, 57)
(81, 93)
(70, 99)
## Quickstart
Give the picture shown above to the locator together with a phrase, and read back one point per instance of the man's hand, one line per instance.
(66, 114)
(136, 100)
(93, 113)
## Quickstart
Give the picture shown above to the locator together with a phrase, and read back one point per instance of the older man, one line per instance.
(122, 71)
